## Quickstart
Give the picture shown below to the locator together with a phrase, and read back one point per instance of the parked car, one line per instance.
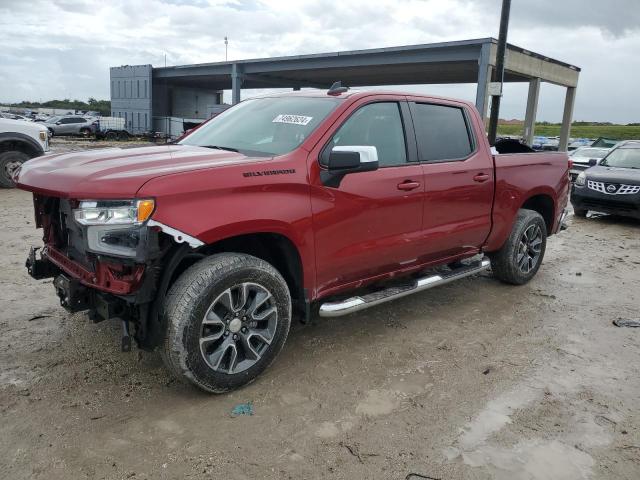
(546, 143)
(13, 116)
(579, 142)
(70, 125)
(603, 142)
(282, 205)
(613, 186)
(19, 141)
(585, 157)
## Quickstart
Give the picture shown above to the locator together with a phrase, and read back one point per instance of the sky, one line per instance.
(64, 48)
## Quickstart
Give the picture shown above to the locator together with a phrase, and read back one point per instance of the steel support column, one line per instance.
(567, 118)
(484, 77)
(236, 83)
(532, 110)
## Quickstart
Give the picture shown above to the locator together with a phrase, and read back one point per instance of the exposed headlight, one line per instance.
(114, 227)
(113, 212)
(581, 179)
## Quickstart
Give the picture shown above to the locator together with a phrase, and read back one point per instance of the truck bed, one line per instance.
(521, 176)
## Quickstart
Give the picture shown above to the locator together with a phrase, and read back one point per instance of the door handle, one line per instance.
(408, 185)
(481, 177)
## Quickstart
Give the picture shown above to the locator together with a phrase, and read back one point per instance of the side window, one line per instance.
(378, 125)
(441, 131)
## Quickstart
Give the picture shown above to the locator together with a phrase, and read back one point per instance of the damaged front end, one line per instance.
(109, 258)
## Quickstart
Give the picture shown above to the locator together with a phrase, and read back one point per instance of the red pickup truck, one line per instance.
(328, 202)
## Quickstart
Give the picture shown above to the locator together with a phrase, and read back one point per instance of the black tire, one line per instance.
(123, 136)
(194, 296)
(580, 212)
(9, 162)
(85, 132)
(511, 264)
(111, 136)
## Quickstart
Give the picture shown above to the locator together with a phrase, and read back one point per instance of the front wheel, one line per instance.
(227, 319)
(9, 163)
(520, 257)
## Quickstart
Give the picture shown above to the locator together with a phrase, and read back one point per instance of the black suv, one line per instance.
(613, 186)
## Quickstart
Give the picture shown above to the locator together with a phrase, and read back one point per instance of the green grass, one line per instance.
(620, 132)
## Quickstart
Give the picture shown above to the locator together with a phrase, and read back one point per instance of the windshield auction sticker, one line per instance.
(292, 119)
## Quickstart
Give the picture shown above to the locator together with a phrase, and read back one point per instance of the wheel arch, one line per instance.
(20, 142)
(544, 204)
(272, 247)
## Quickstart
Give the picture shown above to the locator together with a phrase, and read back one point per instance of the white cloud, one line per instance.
(64, 48)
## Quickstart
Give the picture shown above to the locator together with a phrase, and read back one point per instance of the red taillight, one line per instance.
(570, 164)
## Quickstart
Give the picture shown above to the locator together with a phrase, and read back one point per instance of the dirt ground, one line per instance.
(473, 380)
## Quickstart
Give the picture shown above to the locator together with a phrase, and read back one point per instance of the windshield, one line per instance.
(623, 158)
(590, 153)
(264, 126)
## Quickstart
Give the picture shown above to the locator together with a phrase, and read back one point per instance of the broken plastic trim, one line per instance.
(178, 236)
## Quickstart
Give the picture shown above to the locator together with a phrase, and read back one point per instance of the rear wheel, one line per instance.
(111, 136)
(227, 319)
(85, 132)
(520, 257)
(9, 163)
(123, 136)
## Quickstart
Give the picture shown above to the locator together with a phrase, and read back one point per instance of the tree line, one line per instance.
(102, 106)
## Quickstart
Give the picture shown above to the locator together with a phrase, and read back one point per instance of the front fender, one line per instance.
(220, 203)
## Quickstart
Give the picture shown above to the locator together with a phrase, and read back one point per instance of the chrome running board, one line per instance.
(355, 304)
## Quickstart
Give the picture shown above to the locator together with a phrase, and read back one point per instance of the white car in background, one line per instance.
(585, 157)
(19, 141)
(13, 116)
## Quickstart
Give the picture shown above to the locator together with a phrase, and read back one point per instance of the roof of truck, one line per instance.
(357, 93)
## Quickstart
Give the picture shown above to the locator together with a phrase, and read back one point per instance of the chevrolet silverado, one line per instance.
(286, 206)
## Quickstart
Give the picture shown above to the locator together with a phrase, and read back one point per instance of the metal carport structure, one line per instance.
(467, 61)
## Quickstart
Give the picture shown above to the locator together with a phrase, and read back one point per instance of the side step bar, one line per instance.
(355, 304)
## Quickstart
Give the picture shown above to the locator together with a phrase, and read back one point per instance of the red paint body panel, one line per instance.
(457, 211)
(116, 172)
(367, 229)
(523, 176)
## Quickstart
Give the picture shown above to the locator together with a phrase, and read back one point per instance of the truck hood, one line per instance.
(613, 174)
(117, 172)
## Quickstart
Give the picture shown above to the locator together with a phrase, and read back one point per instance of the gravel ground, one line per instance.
(473, 380)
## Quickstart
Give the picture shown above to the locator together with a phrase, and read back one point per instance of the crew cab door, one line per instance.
(369, 224)
(459, 178)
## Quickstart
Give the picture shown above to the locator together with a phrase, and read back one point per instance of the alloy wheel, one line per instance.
(10, 168)
(238, 328)
(529, 249)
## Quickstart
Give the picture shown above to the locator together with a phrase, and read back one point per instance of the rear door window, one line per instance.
(442, 132)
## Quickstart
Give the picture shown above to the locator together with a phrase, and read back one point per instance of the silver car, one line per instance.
(70, 125)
